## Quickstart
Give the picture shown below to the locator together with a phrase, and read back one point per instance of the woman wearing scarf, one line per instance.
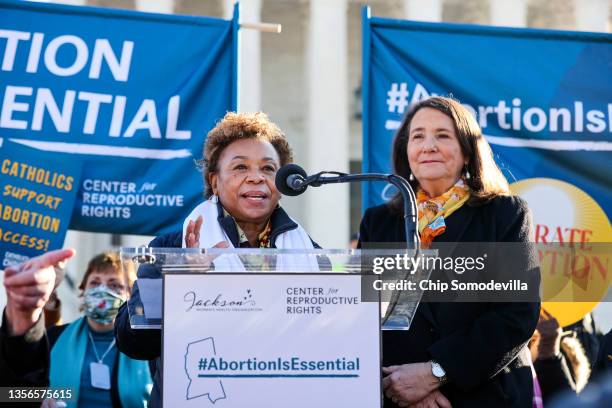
(84, 356)
(241, 157)
(459, 354)
(241, 210)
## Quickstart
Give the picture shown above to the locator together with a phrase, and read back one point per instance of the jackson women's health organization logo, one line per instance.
(221, 302)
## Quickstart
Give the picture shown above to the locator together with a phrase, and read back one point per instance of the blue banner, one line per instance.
(542, 98)
(129, 95)
(37, 194)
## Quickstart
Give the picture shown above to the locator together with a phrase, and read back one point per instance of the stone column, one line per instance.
(249, 55)
(423, 10)
(509, 13)
(592, 15)
(327, 207)
(157, 6)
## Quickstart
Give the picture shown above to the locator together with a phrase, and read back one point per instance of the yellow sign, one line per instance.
(575, 237)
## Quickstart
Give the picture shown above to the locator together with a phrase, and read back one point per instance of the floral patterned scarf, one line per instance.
(263, 238)
(433, 211)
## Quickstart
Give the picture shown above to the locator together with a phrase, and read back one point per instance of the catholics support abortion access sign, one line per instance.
(36, 199)
(130, 96)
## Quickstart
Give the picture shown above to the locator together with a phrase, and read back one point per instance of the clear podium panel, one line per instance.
(269, 340)
(397, 306)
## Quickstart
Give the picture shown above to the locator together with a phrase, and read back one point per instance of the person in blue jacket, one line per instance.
(84, 354)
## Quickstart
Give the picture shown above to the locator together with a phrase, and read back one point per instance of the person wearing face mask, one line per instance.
(84, 356)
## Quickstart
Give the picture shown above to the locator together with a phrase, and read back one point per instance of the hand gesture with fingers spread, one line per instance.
(192, 235)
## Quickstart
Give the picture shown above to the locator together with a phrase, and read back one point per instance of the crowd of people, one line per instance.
(511, 354)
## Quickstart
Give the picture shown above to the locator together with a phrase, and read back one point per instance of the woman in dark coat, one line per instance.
(464, 354)
(83, 353)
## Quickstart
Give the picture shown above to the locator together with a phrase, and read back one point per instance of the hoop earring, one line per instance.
(214, 199)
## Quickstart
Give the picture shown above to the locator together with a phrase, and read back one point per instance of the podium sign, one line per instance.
(269, 340)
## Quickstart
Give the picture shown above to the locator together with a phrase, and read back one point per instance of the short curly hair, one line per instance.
(240, 126)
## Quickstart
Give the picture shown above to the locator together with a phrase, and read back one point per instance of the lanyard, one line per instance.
(93, 344)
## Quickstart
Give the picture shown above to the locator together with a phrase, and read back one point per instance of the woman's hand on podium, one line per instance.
(203, 260)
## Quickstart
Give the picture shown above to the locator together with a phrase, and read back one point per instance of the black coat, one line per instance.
(24, 360)
(481, 346)
(146, 344)
(603, 364)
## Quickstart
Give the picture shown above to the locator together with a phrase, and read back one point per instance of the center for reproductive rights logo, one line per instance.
(206, 370)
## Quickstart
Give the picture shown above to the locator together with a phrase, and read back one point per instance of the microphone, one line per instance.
(291, 180)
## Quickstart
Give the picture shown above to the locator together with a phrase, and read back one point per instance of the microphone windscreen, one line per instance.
(282, 176)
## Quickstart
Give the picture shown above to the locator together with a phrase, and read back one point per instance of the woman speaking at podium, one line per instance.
(459, 354)
(241, 157)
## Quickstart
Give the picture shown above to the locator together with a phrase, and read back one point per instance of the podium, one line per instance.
(265, 327)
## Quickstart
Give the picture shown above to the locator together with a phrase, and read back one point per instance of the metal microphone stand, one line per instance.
(408, 197)
(413, 240)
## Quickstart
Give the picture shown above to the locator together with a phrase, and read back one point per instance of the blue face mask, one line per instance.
(101, 304)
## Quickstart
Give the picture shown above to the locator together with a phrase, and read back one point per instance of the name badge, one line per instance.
(100, 376)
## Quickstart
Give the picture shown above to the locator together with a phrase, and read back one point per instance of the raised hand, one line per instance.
(192, 234)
